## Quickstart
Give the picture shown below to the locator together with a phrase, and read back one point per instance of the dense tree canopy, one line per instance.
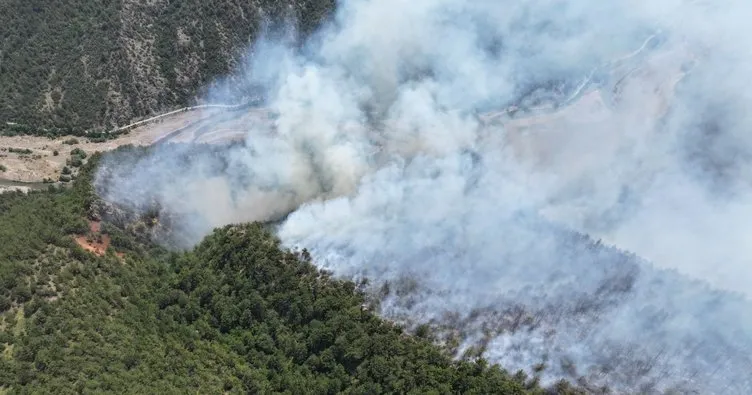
(239, 314)
(66, 67)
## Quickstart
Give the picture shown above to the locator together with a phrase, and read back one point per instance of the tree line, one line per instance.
(239, 313)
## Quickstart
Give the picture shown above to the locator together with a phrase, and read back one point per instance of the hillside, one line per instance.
(70, 66)
(238, 314)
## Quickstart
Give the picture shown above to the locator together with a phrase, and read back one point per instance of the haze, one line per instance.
(451, 149)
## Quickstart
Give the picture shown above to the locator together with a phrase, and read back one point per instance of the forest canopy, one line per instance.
(239, 313)
(77, 66)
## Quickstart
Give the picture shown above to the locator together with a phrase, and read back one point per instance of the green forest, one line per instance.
(236, 314)
(76, 66)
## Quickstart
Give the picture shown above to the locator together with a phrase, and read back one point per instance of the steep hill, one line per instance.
(80, 65)
(238, 314)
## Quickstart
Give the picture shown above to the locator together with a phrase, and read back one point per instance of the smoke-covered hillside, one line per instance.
(94, 307)
(455, 152)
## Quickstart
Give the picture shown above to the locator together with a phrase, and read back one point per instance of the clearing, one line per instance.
(95, 241)
(32, 159)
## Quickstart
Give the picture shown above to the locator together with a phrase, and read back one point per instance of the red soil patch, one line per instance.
(94, 246)
(96, 242)
(95, 226)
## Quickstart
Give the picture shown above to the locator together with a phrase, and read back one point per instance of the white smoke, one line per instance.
(392, 154)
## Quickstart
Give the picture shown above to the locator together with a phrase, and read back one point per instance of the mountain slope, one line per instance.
(80, 65)
(237, 314)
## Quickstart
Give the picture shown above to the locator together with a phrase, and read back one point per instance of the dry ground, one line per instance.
(95, 241)
(42, 163)
(641, 93)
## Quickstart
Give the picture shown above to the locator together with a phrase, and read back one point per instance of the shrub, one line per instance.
(5, 303)
(20, 151)
(21, 293)
(79, 153)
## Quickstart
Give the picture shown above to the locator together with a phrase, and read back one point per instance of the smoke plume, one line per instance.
(456, 153)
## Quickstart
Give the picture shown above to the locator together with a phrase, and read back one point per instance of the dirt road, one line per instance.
(33, 158)
(535, 133)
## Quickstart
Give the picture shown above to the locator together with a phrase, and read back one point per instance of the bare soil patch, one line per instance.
(42, 163)
(95, 241)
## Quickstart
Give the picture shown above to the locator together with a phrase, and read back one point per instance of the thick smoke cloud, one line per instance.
(392, 156)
